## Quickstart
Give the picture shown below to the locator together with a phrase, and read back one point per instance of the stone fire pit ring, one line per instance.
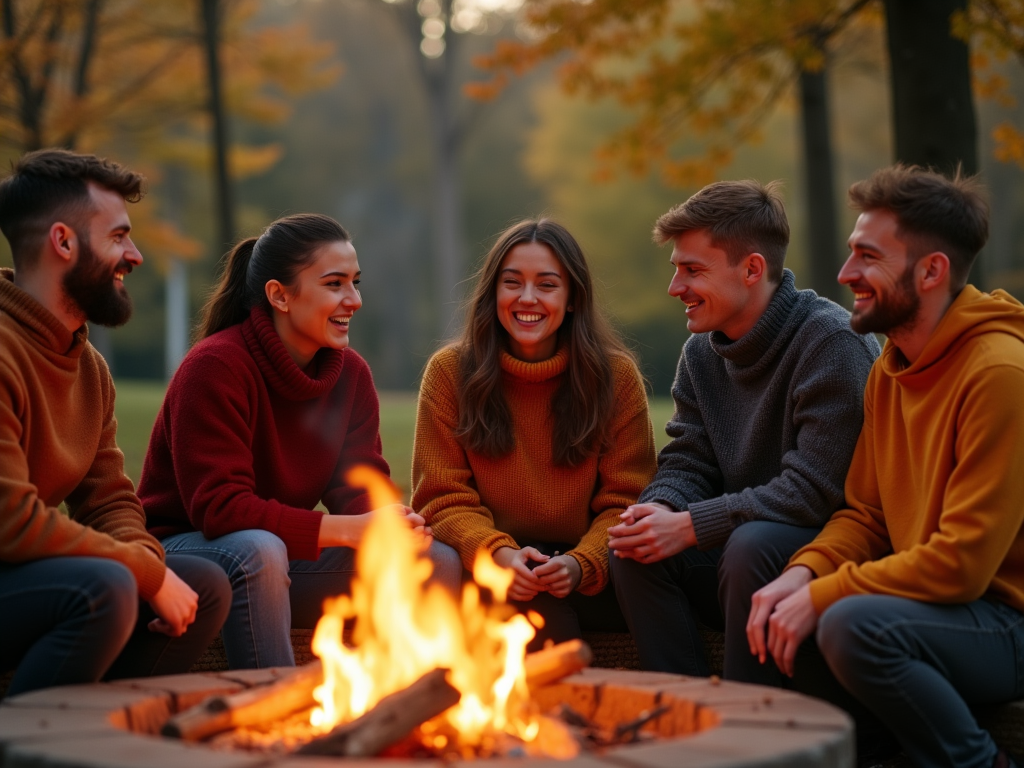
(114, 725)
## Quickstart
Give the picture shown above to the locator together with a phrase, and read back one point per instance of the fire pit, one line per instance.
(711, 724)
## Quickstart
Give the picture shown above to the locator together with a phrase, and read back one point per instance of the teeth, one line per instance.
(528, 318)
(690, 304)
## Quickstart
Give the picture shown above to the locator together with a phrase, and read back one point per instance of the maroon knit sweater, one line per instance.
(246, 439)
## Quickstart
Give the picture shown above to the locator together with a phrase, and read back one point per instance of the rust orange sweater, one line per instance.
(475, 502)
(936, 487)
(57, 430)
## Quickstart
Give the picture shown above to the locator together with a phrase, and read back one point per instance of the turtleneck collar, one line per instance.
(756, 343)
(279, 370)
(40, 323)
(535, 372)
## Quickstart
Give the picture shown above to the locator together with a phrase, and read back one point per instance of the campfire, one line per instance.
(421, 673)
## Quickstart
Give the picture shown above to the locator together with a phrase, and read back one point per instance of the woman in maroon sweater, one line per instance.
(261, 422)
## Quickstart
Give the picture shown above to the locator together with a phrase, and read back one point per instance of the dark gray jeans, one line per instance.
(918, 667)
(662, 601)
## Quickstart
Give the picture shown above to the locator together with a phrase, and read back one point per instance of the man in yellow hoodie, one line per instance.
(916, 589)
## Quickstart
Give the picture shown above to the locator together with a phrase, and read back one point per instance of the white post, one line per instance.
(176, 301)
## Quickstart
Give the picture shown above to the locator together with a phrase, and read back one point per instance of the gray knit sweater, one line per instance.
(765, 426)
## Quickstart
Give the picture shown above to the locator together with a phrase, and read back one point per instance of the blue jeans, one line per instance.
(919, 667)
(271, 594)
(662, 601)
(79, 619)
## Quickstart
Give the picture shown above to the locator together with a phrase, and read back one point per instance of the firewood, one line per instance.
(258, 705)
(394, 717)
(552, 664)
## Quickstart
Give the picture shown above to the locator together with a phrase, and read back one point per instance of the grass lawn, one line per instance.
(138, 403)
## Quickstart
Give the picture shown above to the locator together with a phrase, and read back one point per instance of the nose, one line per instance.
(528, 296)
(132, 254)
(352, 300)
(848, 274)
(677, 286)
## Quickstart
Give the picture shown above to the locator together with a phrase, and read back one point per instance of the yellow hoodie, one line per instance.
(936, 486)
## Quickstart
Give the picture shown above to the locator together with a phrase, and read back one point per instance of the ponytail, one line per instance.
(286, 247)
(229, 303)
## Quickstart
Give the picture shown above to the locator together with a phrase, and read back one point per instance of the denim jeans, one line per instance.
(662, 601)
(271, 594)
(79, 619)
(919, 667)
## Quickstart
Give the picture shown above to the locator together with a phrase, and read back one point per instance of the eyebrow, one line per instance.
(339, 274)
(864, 246)
(539, 274)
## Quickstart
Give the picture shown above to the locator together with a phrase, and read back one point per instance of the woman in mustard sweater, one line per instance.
(532, 432)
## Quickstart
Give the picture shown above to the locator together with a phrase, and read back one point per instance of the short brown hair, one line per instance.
(934, 213)
(742, 217)
(51, 185)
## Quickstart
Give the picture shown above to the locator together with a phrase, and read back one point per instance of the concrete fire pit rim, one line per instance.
(110, 725)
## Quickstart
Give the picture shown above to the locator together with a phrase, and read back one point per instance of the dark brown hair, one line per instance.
(934, 213)
(742, 217)
(51, 185)
(582, 403)
(284, 249)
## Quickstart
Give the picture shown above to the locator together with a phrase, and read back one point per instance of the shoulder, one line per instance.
(442, 369)
(218, 361)
(826, 326)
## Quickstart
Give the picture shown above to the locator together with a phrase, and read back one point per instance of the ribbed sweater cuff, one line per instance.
(300, 531)
(150, 575)
(817, 562)
(665, 494)
(711, 523)
(593, 579)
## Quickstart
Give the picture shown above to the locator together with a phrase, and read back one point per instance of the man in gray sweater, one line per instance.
(768, 406)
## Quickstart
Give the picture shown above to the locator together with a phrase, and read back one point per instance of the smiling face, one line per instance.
(880, 276)
(716, 293)
(315, 311)
(94, 285)
(532, 299)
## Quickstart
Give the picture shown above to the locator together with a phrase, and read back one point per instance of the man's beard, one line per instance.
(91, 288)
(897, 309)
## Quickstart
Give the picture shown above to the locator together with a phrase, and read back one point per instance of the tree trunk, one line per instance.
(933, 108)
(210, 12)
(822, 242)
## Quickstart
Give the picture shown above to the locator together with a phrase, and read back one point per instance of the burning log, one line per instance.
(558, 661)
(252, 707)
(394, 717)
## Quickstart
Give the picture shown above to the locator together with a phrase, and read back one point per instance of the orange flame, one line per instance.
(405, 628)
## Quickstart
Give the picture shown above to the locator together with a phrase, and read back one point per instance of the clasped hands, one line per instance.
(559, 574)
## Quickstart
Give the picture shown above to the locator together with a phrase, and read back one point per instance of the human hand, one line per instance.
(792, 622)
(348, 530)
(651, 532)
(561, 574)
(525, 582)
(415, 520)
(767, 600)
(175, 605)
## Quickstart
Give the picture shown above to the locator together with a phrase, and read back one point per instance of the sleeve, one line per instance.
(208, 423)
(443, 490)
(106, 517)
(828, 389)
(980, 519)
(362, 447)
(623, 472)
(687, 466)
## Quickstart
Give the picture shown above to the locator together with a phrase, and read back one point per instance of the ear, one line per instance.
(754, 269)
(277, 295)
(933, 271)
(63, 240)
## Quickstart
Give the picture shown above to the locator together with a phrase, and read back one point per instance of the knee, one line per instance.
(745, 546)
(255, 556)
(208, 580)
(112, 594)
(447, 566)
(843, 632)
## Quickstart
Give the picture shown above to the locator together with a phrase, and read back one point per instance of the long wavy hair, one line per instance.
(285, 248)
(583, 401)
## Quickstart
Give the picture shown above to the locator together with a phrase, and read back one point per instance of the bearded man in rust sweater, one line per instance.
(87, 594)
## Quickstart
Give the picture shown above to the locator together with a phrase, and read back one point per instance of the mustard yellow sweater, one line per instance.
(935, 492)
(474, 502)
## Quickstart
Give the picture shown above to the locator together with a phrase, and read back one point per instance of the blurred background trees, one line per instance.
(602, 114)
